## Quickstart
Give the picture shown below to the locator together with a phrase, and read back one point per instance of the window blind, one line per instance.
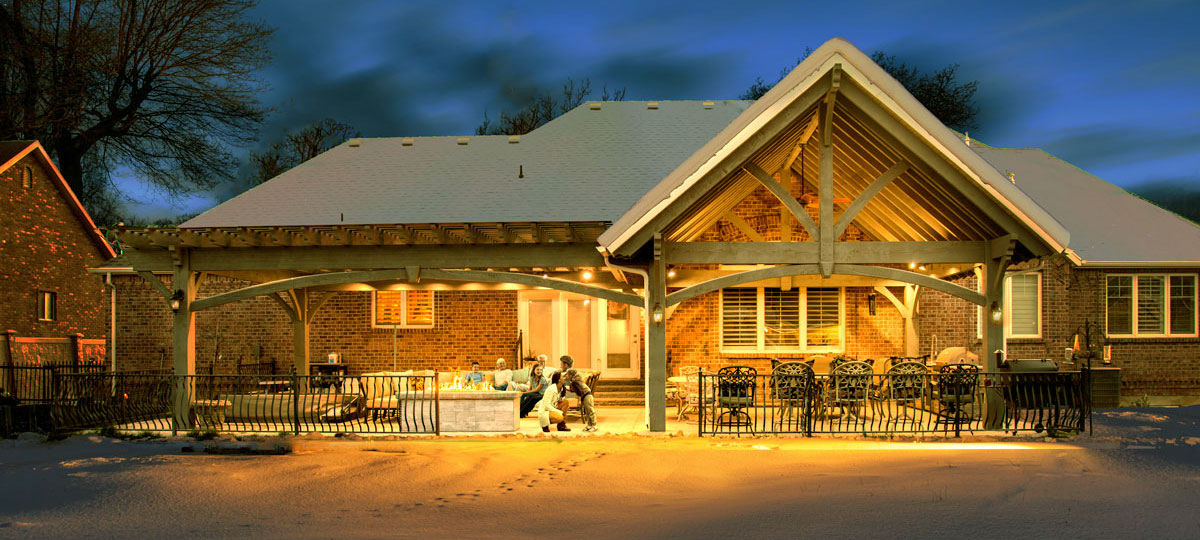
(739, 318)
(823, 317)
(1023, 302)
(781, 318)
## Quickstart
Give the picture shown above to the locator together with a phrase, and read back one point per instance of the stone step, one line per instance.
(619, 402)
(620, 395)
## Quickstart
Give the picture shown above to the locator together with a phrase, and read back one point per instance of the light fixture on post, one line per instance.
(871, 302)
(176, 301)
(657, 314)
(997, 313)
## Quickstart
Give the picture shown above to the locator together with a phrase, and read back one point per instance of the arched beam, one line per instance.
(812, 269)
(339, 278)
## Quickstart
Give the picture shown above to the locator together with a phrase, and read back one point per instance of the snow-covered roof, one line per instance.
(586, 165)
(1109, 226)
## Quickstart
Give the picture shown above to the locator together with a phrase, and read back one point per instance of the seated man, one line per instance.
(475, 376)
(502, 378)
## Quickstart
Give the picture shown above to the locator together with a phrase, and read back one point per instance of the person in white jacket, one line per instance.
(548, 411)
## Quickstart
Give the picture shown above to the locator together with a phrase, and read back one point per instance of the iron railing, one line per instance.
(917, 403)
(380, 404)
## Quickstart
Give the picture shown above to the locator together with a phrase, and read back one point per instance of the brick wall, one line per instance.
(45, 247)
(470, 326)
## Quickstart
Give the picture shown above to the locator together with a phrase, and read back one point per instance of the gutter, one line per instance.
(646, 309)
(112, 322)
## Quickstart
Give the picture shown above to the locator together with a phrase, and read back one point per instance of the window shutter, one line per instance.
(739, 318)
(1023, 301)
(1151, 305)
(823, 314)
(782, 318)
(1183, 304)
(1120, 305)
(389, 307)
(420, 308)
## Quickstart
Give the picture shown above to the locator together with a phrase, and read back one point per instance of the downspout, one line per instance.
(112, 328)
(646, 309)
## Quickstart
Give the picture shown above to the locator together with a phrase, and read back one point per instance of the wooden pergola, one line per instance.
(837, 130)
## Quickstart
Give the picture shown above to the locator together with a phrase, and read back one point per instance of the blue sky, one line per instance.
(1109, 86)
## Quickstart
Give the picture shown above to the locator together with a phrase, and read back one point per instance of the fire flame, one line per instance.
(460, 383)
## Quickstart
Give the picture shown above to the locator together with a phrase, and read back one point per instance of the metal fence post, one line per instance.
(296, 403)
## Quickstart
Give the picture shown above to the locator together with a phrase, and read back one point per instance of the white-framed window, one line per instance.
(47, 306)
(770, 319)
(1150, 305)
(1023, 304)
(402, 309)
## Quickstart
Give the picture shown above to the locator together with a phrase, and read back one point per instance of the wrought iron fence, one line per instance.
(915, 402)
(30, 385)
(381, 404)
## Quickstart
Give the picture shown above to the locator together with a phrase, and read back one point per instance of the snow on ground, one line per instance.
(1137, 475)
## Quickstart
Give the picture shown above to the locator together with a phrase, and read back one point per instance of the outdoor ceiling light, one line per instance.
(176, 301)
(671, 273)
(587, 275)
(657, 313)
(997, 313)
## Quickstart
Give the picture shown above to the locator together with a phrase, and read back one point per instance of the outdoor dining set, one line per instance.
(796, 395)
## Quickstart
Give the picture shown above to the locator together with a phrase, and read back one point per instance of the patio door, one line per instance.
(596, 333)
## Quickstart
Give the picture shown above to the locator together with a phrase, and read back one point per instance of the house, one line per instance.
(47, 298)
(833, 216)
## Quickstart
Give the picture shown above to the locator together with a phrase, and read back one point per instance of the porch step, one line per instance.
(620, 393)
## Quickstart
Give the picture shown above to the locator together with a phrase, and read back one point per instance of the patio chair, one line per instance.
(849, 385)
(956, 387)
(735, 393)
(905, 384)
(792, 383)
(689, 393)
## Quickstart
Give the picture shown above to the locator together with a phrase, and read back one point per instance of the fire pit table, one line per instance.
(479, 410)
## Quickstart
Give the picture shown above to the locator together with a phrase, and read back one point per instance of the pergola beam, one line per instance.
(372, 257)
(810, 269)
(336, 278)
(784, 197)
(843, 252)
(866, 196)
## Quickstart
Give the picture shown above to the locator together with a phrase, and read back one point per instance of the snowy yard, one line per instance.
(1138, 476)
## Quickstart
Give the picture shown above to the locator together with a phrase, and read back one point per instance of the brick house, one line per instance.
(49, 244)
(833, 216)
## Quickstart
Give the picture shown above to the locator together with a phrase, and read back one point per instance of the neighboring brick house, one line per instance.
(384, 228)
(47, 245)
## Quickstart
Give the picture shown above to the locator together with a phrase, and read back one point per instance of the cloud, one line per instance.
(1108, 145)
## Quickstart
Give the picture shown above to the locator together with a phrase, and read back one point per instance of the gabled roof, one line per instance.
(586, 165)
(882, 87)
(1109, 226)
(12, 152)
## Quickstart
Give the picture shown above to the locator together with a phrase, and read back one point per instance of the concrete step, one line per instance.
(620, 395)
(619, 402)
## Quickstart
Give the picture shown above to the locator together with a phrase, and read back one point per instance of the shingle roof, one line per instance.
(1107, 223)
(586, 165)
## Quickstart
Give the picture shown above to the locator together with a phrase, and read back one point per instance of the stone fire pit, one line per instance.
(479, 410)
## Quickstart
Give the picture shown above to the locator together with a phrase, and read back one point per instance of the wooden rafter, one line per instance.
(784, 197)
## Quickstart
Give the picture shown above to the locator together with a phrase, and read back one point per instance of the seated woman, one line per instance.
(537, 388)
(548, 407)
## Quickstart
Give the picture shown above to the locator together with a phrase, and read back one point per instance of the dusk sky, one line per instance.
(1111, 86)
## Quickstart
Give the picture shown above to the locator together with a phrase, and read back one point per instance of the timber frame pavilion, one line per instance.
(915, 191)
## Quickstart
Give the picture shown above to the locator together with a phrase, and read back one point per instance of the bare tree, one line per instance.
(298, 147)
(162, 87)
(951, 101)
(544, 108)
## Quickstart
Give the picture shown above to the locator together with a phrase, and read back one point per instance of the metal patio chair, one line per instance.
(905, 384)
(735, 393)
(956, 387)
(849, 386)
(792, 384)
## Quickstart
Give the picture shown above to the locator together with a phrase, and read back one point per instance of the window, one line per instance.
(402, 309)
(768, 319)
(47, 306)
(1151, 305)
(27, 177)
(1023, 296)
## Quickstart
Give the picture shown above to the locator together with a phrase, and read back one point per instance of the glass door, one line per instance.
(597, 334)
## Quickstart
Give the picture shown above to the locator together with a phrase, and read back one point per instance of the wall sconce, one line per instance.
(176, 301)
(871, 302)
(657, 314)
(997, 313)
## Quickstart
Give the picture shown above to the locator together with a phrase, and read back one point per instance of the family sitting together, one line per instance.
(545, 391)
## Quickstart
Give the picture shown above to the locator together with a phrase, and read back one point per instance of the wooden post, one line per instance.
(11, 383)
(993, 330)
(656, 340)
(184, 342)
(300, 331)
(911, 344)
